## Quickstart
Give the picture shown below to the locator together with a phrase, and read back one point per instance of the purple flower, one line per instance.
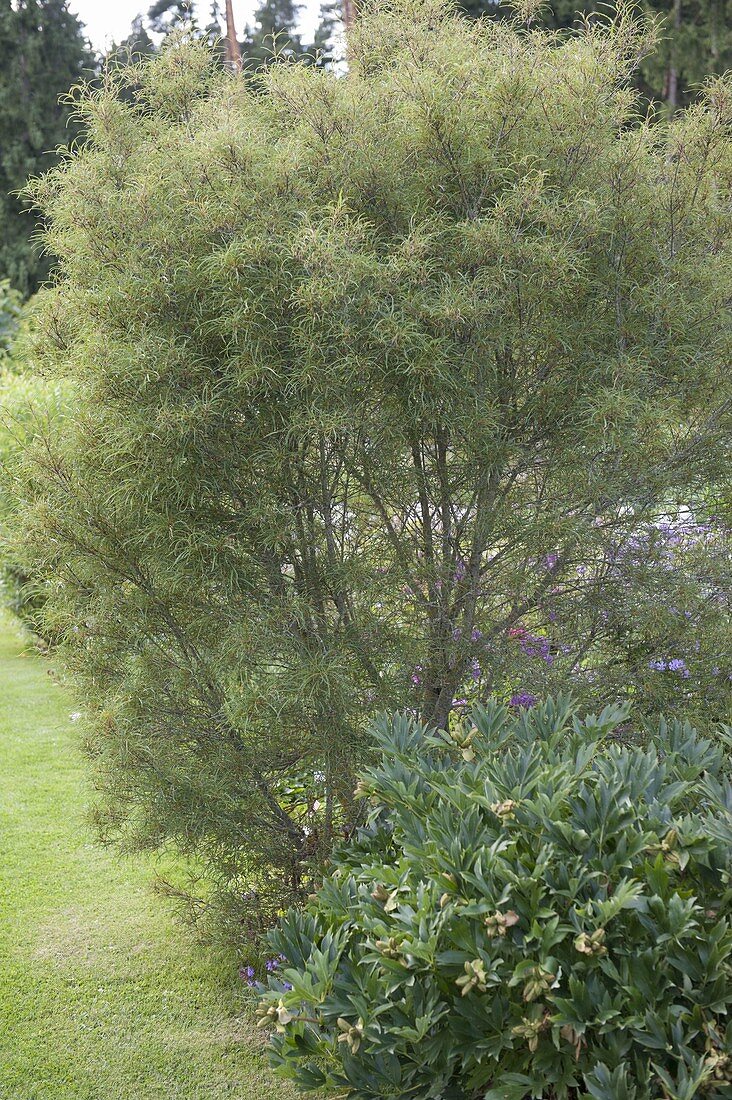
(459, 570)
(475, 669)
(460, 702)
(523, 699)
(247, 975)
(678, 665)
(272, 964)
(657, 665)
(457, 634)
(534, 645)
(287, 986)
(476, 634)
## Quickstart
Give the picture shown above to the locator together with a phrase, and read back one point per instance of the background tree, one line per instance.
(138, 43)
(164, 14)
(696, 40)
(368, 423)
(42, 53)
(273, 35)
(329, 32)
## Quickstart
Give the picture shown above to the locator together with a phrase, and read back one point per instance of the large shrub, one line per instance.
(533, 911)
(378, 378)
(32, 412)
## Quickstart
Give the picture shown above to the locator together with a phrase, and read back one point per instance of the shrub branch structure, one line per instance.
(384, 383)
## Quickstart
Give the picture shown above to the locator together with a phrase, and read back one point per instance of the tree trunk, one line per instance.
(349, 14)
(673, 73)
(233, 53)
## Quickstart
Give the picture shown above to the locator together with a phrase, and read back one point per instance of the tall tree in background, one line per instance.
(136, 45)
(696, 41)
(165, 13)
(233, 50)
(273, 35)
(332, 22)
(42, 53)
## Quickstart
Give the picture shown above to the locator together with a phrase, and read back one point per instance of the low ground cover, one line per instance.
(102, 996)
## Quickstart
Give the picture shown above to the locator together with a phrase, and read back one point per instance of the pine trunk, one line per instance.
(233, 53)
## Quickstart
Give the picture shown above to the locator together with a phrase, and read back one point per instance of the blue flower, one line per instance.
(247, 974)
(523, 699)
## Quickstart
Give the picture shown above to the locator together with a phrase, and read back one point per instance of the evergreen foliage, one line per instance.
(29, 404)
(533, 911)
(273, 37)
(165, 14)
(696, 40)
(42, 53)
(328, 32)
(10, 310)
(138, 43)
(386, 388)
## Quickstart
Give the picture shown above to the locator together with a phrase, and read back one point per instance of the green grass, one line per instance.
(103, 996)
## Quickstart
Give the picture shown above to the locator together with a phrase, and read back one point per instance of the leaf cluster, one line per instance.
(546, 915)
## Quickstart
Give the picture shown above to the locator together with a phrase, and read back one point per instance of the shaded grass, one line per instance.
(102, 995)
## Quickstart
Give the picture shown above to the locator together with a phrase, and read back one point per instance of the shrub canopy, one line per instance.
(378, 378)
(533, 911)
(31, 406)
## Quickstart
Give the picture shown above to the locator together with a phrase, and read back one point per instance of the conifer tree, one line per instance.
(696, 40)
(330, 28)
(273, 35)
(164, 14)
(42, 54)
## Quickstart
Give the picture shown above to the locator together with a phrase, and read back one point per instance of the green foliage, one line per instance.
(350, 413)
(695, 43)
(9, 318)
(543, 913)
(31, 409)
(42, 53)
(137, 1009)
(164, 14)
(273, 37)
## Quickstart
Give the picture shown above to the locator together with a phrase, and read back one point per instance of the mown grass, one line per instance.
(102, 995)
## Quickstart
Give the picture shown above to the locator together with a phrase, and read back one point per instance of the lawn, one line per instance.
(103, 996)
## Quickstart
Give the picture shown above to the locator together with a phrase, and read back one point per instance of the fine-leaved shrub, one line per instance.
(534, 910)
(382, 384)
(32, 413)
(31, 408)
